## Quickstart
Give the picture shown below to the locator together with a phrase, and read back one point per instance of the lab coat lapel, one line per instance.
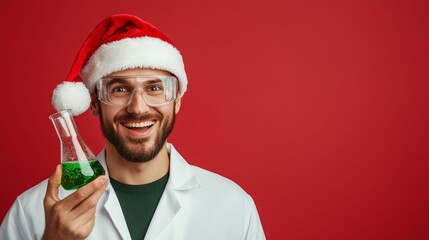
(112, 204)
(114, 209)
(181, 179)
(167, 209)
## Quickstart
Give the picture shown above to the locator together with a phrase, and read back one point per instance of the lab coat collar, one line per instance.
(181, 175)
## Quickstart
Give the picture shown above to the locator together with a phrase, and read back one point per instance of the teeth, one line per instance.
(138, 124)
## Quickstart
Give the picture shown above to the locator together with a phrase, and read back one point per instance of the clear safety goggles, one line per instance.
(120, 90)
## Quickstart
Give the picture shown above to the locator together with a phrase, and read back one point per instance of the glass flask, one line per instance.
(79, 164)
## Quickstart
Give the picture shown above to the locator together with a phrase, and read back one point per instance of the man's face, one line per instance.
(137, 131)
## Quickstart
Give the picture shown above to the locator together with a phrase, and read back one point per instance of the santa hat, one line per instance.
(119, 42)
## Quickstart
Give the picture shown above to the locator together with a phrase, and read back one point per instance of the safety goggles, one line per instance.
(120, 90)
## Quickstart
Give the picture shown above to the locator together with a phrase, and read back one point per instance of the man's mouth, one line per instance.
(136, 125)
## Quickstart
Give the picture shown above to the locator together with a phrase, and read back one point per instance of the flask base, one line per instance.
(73, 178)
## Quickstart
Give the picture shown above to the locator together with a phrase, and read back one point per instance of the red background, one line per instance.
(319, 109)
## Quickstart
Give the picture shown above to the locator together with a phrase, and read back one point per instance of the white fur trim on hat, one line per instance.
(128, 53)
(71, 95)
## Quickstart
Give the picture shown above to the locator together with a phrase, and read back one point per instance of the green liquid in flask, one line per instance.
(73, 178)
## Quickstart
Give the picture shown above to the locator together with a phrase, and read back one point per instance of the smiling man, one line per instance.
(132, 77)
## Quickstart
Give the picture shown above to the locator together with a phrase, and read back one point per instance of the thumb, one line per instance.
(54, 182)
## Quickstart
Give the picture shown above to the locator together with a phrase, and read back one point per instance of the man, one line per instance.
(136, 80)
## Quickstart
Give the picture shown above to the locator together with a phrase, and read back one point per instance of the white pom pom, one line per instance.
(71, 95)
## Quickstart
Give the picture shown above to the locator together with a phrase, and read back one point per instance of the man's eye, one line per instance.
(154, 88)
(119, 89)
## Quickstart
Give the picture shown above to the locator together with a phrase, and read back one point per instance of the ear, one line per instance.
(94, 104)
(178, 102)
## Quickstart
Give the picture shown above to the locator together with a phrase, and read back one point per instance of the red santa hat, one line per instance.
(119, 42)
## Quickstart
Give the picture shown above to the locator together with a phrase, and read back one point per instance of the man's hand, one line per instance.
(74, 216)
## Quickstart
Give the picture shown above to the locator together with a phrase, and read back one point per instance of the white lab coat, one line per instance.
(196, 205)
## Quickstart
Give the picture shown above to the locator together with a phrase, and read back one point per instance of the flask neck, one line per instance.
(64, 124)
(73, 148)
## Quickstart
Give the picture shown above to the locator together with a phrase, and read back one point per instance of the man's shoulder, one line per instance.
(215, 178)
(218, 184)
(30, 203)
(34, 194)
(210, 183)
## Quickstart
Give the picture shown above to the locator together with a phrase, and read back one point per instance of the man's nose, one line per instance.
(137, 104)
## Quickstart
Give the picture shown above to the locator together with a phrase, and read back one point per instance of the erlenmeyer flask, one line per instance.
(79, 164)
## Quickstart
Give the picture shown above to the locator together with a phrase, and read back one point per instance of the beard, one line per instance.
(138, 150)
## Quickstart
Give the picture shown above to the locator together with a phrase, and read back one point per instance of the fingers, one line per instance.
(85, 218)
(84, 213)
(88, 194)
(74, 216)
(84, 207)
(92, 200)
(78, 226)
(54, 182)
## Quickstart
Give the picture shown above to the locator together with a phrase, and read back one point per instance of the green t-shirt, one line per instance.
(138, 203)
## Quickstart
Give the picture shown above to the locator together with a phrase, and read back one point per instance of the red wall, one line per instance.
(319, 109)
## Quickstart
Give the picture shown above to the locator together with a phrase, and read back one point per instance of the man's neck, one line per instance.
(132, 173)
